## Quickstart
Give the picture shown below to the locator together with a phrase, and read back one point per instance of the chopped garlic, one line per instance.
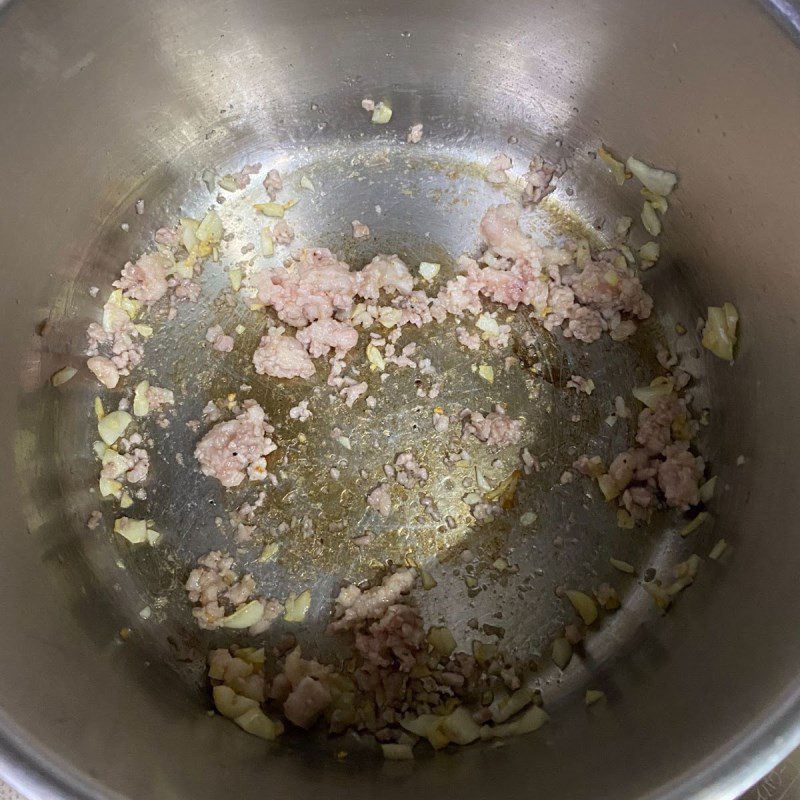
(381, 114)
(209, 179)
(117, 300)
(141, 405)
(429, 269)
(257, 723)
(114, 464)
(707, 489)
(507, 707)
(625, 520)
(227, 183)
(592, 696)
(650, 219)
(267, 242)
(480, 479)
(529, 721)
(210, 229)
(486, 372)
(110, 487)
(235, 277)
(270, 209)
(650, 395)
(230, 704)
(441, 640)
(622, 226)
(608, 486)
(459, 727)
(656, 180)
(63, 375)
(297, 606)
(528, 518)
(623, 566)
(245, 616)
(617, 167)
(649, 253)
(125, 501)
(99, 411)
(719, 333)
(488, 324)
(134, 530)
(375, 357)
(397, 752)
(695, 523)
(269, 552)
(584, 605)
(189, 228)
(428, 581)
(145, 331)
(305, 183)
(718, 549)
(389, 317)
(146, 612)
(113, 425)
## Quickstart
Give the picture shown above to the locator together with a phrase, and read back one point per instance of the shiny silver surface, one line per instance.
(109, 104)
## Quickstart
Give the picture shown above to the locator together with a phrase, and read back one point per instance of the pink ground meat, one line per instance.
(314, 287)
(139, 461)
(326, 334)
(360, 230)
(230, 448)
(306, 702)
(394, 638)
(500, 230)
(146, 279)
(273, 183)
(283, 232)
(408, 472)
(354, 605)
(384, 273)
(679, 476)
(608, 288)
(282, 356)
(104, 370)
(538, 181)
(380, 500)
(242, 177)
(168, 237)
(472, 341)
(351, 393)
(496, 171)
(495, 429)
(585, 324)
(218, 592)
(219, 341)
(158, 397)
(654, 431)
(300, 412)
(414, 135)
(95, 518)
(187, 290)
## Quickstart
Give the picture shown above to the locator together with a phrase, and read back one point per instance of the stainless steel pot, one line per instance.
(105, 103)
